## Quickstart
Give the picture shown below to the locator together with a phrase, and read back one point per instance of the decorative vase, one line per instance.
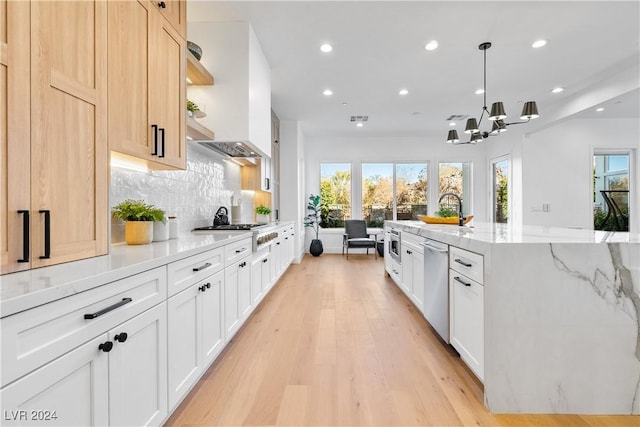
(316, 248)
(138, 232)
(160, 231)
(262, 219)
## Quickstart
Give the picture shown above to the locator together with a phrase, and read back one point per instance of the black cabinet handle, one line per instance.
(162, 5)
(243, 264)
(459, 261)
(459, 280)
(265, 260)
(202, 288)
(202, 267)
(106, 346)
(161, 142)
(47, 234)
(267, 183)
(25, 236)
(108, 309)
(155, 140)
(240, 250)
(409, 252)
(278, 243)
(121, 337)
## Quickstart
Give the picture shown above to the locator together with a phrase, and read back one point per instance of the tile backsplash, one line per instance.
(192, 195)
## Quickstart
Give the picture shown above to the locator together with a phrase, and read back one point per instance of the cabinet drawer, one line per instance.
(188, 271)
(236, 251)
(35, 337)
(468, 263)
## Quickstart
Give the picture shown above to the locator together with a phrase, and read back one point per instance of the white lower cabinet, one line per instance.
(73, 390)
(138, 370)
(118, 378)
(237, 296)
(195, 334)
(466, 321)
(260, 275)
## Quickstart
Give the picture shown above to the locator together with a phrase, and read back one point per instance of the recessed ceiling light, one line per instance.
(344, 104)
(326, 48)
(359, 125)
(538, 43)
(327, 92)
(432, 45)
(403, 92)
(557, 89)
(452, 123)
(479, 91)
(599, 109)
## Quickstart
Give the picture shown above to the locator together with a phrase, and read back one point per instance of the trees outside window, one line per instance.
(335, 194)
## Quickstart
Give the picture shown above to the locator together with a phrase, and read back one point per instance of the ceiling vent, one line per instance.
(455, 117)
(359, 118)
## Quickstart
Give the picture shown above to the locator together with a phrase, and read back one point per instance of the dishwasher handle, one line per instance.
(434, 248)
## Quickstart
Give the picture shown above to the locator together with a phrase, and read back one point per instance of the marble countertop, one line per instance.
(480, 234)
(28, 289)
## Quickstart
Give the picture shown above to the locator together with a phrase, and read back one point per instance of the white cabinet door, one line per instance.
(185, 363)
(70, 391)
(466, 300)
(237, 296)
(387, 257)
(267, 281)
(212, 318)
(138, 370)
(418, 279)
(256, 277)
(406, 260)
(275, 259)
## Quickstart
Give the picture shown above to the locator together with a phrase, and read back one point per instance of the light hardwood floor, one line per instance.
(336, 343)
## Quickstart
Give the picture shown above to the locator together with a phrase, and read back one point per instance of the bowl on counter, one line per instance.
(453, 220)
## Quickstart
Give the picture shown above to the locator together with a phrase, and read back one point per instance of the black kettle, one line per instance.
(221, 217)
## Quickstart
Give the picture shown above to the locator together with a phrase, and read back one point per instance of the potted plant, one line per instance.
(262, 213)
(192, 107)
(138, 220)
(313, 220)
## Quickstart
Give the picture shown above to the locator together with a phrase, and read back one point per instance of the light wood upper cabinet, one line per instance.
(175, 12)
(53, 133)
(147, 89)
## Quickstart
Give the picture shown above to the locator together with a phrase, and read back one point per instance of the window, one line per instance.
(389, 187)
(377, 193)
(611, 192)
(335, 194)
(411, 190)
(454, 178)
(500, 202)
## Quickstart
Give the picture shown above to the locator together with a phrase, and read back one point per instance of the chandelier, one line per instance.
(496, 115)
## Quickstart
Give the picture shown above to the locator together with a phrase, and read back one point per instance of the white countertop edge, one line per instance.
(28, 289)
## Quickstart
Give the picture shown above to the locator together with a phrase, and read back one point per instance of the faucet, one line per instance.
(460, 217)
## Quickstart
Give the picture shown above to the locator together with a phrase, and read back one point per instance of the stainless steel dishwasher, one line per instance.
(436, 286)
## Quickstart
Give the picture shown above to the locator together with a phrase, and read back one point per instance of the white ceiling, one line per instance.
(379, 49)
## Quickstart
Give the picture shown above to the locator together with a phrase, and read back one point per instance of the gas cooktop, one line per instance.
(228, 227)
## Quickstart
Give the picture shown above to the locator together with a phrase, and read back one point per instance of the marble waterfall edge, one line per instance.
(563, 329)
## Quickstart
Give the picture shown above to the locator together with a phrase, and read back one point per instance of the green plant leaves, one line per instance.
(137, 210)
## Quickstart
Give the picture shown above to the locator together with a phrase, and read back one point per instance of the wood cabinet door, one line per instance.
(138, 370)
(175, 12)
(14, 136)
(167, 97)
(130, 25)
(70, 391)
(69, 152)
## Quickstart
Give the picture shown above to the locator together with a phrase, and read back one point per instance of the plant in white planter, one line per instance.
(138, 220)
(313, 220)
(262, 214)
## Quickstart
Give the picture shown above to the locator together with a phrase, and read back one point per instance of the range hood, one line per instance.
(238, 105)
(231, 149)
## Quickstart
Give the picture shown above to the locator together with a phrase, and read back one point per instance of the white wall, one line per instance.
(192, 195)
(292, 186)
(557, 169)
(385, 149)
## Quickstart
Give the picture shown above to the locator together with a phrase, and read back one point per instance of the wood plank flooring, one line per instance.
(336, 343)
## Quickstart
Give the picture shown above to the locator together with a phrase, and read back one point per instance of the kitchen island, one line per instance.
(561, 316)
